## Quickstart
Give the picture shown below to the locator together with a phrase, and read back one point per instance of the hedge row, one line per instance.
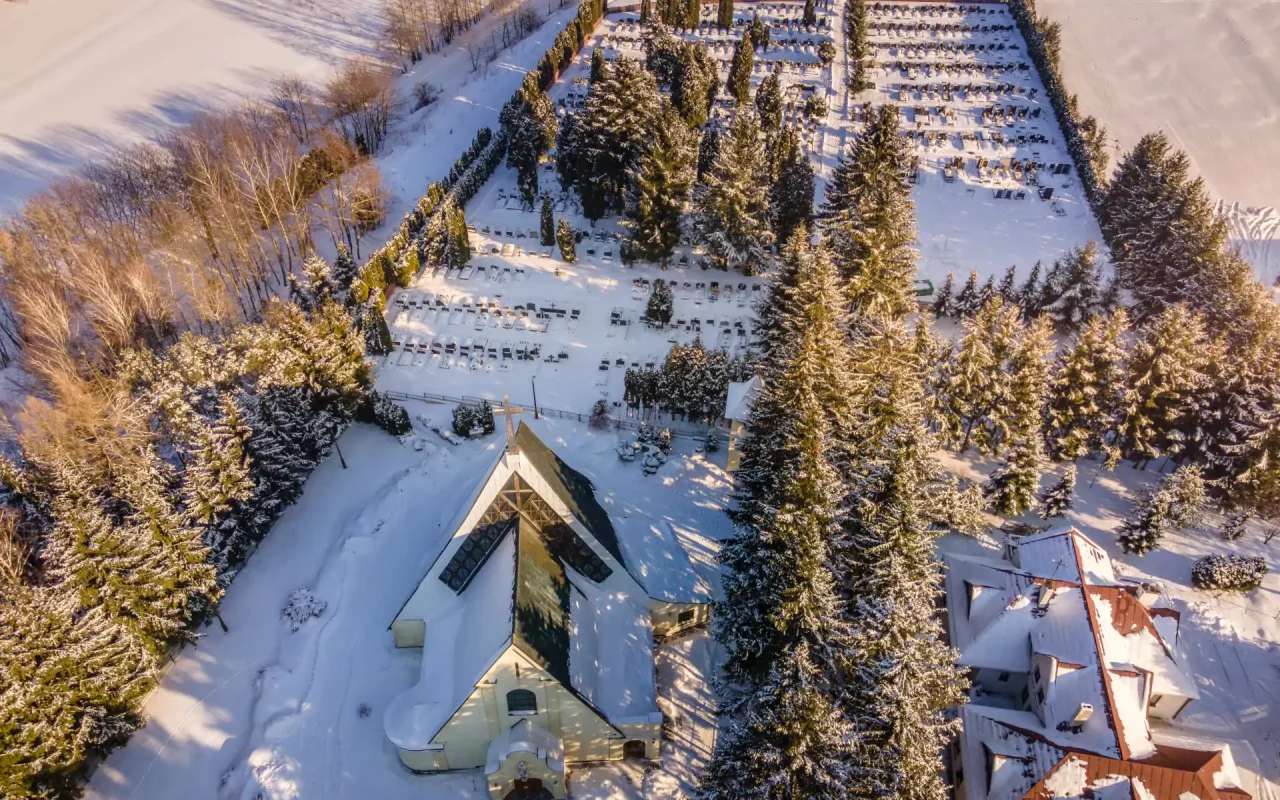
(396, 261)
(1024, 14)
(569, 41)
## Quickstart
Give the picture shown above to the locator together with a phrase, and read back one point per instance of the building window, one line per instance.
(633, 749)
(1004, 677)
(684, 617)
(1026, 694)
(1037, 673)
(522, 701)
(1155, 699)
(1040, 696)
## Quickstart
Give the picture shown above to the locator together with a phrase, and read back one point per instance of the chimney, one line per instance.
(1083, 713)
(1148, 594)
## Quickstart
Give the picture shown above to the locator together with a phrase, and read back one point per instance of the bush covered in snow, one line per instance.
(1230, 572)
(599, 414)
(386, 414)
(470, 419)
(301, 607)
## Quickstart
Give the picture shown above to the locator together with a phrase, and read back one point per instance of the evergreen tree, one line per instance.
(733, 216)
(617, 124)
(529, 123)
(597, 65)
(1008, 289)
(662, 52)
(779, 591)
(738, 84)
(187, 582)
(1021, 411)
(68, 687)
(791, 196)
(724, 14)
(659, 308)
(1167, 241)
(661, 187)
(1081, 295)
(1029, 297)
(1086, 392)
(1176, 502)
(1011, 489)
(943, 305)
(1058, 499)
(869, 217)
(857, 49)
(645, 12)
(548, 226)
(987, 291)
(969, 301)
(564, 238)
(810, 16)
(758, 33)
(217, 480)
(567, 154)
(976, 404)
(900, 679)
(708, 151)
(694, 83)
(769, 102)
(692, 12)
(343, 272)
(789, 741)
(1234, 528)
(1167, 367)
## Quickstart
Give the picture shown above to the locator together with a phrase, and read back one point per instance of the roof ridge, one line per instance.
(1121, 746)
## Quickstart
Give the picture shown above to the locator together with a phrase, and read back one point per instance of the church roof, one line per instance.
(572, 487)
(528, 569)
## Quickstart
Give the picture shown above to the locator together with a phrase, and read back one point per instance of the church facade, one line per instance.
(537, 638)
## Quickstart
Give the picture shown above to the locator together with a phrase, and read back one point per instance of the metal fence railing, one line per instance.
(680, 429)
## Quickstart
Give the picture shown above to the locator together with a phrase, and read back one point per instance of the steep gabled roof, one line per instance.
(572, 487)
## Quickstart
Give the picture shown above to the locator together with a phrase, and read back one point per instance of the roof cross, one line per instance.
(509, 411)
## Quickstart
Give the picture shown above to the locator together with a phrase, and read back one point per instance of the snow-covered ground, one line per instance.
(1207, 72)
(981, 220)
(582, 355)
(79, 77)
(1232, 641)
(264, 712)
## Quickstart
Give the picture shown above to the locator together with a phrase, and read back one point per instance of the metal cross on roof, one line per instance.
(509, 411)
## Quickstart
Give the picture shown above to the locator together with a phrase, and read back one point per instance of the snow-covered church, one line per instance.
(537, 637)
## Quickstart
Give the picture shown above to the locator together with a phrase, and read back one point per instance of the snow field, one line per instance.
(1232, 641)
(988, 219)
(71, 93)
(264, 712)
(1207, 72)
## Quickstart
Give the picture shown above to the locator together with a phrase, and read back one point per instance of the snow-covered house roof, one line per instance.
(742, 396)
(533, 565)
(1055, 595)
(1007, 755)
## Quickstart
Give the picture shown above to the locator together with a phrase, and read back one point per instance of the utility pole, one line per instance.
(534, 380)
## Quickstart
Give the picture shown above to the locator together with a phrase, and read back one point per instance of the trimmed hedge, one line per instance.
(1229, 572)
(1024, 15)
